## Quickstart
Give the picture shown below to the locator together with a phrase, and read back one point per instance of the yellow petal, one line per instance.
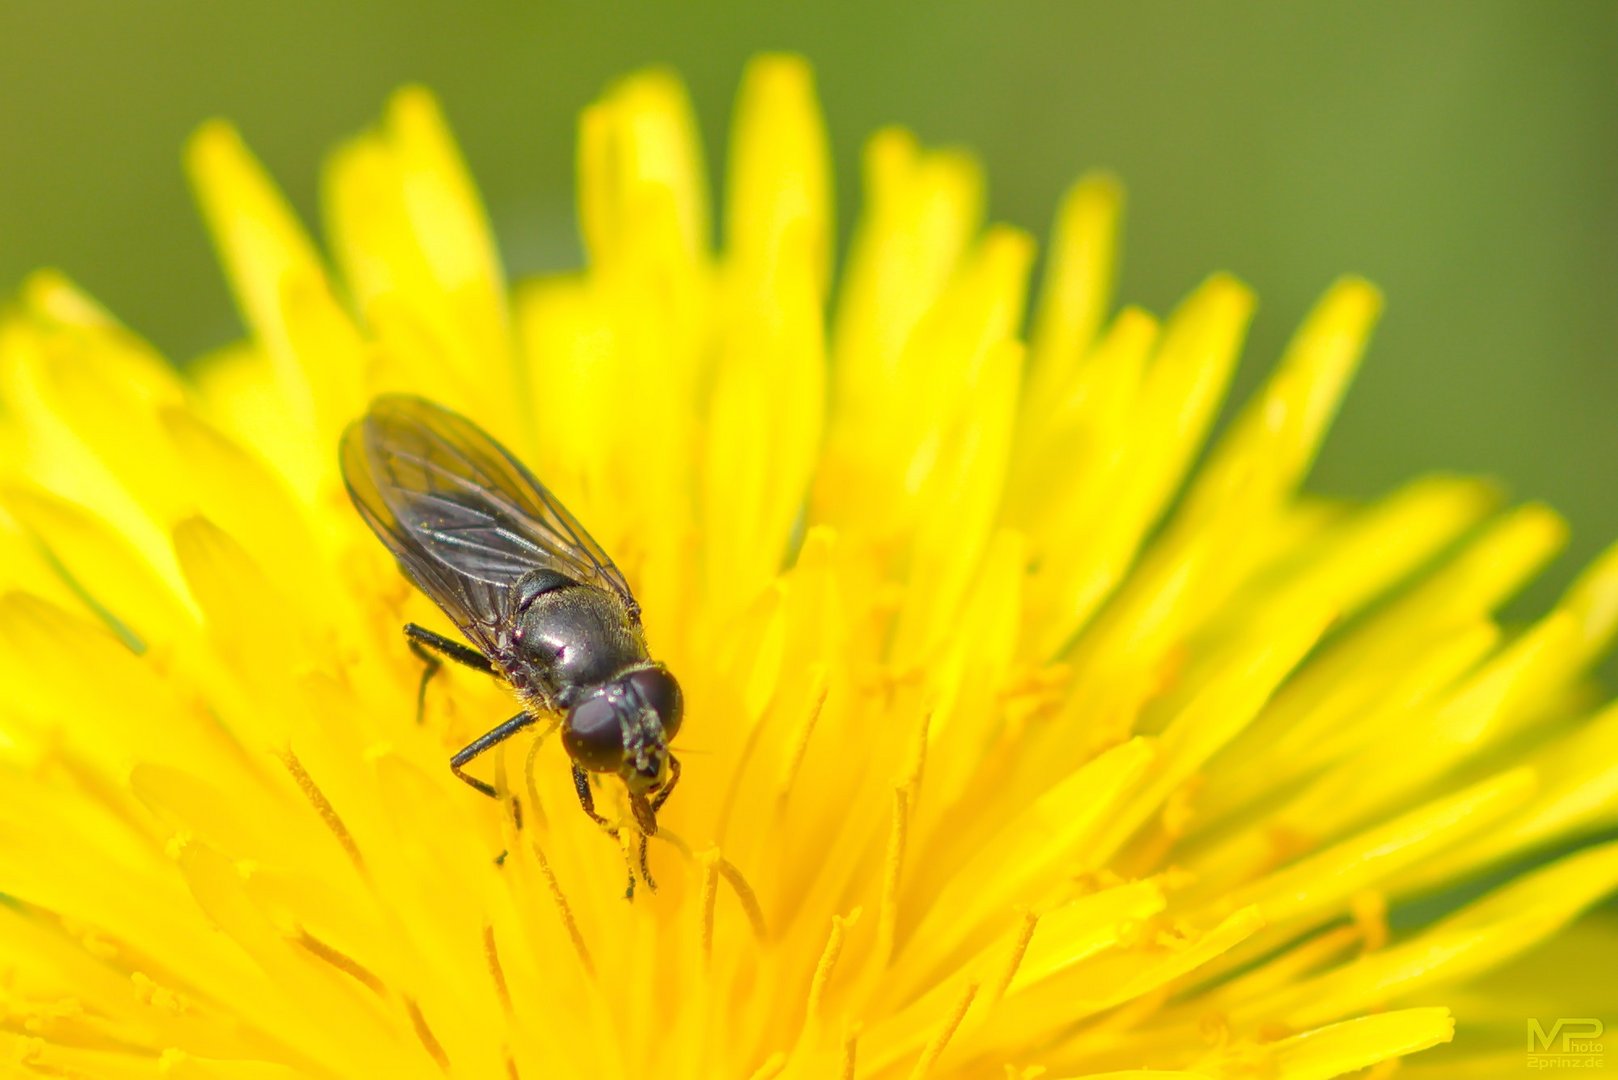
(1077, 288)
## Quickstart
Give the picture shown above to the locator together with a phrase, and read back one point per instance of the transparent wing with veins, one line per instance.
(464, 518)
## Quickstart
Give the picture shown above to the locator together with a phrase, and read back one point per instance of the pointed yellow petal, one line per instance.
(413, 242)
(639, 155)
(113, 579)
(1339, 1049)
(1273, 442)
(1578, 794)
(1077, 289)
(1321, 885)
(265, 251)
(922, 210)
(779, 187)
(1481, 935)
(1168, 420)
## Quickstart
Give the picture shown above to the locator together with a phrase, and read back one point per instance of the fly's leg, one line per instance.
(645, 870)
(430, 665)
(668, 789)
(461, 654)
(484, 742)
(646, 817)
(587, 800)
(430, 648)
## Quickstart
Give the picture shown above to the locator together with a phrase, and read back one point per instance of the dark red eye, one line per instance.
(593, 737)
(659, 692)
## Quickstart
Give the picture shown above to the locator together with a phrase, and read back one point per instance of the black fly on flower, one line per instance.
(544, 607)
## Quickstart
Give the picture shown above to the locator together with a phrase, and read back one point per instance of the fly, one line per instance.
(545, 609)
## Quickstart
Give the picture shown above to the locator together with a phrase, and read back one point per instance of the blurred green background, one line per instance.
(1462, 155)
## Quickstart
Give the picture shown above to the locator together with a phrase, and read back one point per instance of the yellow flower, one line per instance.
(1013, 740)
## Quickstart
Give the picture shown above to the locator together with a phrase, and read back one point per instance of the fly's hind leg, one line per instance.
(431, 648)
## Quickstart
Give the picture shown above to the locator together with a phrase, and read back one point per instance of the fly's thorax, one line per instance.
(572, 638)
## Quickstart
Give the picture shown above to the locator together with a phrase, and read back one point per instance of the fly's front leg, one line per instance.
(648, 829)
(645, 869)
(668, 789)
(431, 648)
(646, 817)
(587, 800)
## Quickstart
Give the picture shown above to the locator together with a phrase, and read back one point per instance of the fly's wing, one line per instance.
(462, 516)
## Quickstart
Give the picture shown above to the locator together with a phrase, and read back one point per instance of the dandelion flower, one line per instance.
(1016, 742)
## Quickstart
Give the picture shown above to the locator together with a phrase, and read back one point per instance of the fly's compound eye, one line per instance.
(659, 692)
(593, 737)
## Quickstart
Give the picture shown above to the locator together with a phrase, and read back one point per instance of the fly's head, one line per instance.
(624, 727)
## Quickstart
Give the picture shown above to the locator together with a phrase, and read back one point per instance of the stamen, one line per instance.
(1370, 912)
(317, 799)
(806, 728)
(565, 910)
(425, 1034)
(1296, 963)
(733, 790)
(710, 893)
(1214, 1029)
(850, 1047)
(1132, 1014)
(918, 753)
(935, 1047)
(745, 894)
(1019, 948)
(27, 1050)
(714, 867)
(492, 955)
(147, 992)
(1036, 681)
(1179, 809)
(528, 772)
(828, 962)
(342, 962)
(674, 840)
(888, 913)
(772, 1067)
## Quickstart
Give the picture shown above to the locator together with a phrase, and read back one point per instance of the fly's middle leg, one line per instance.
(431, 648)
(667, 789)
(484, 742)
(587, 800)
